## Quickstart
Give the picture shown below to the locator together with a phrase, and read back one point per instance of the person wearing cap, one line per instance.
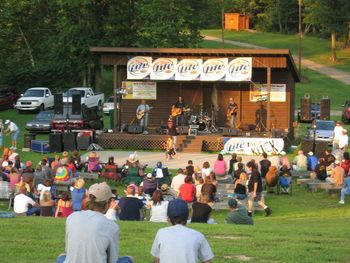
(12, 129)
(130, 206)
(255, 190)
(179, 243)
(300, 162)
(343, 141)
(168, 193)
(311, 161)
(337, 174)
(90, 236)
(149, 184)
(238, 214)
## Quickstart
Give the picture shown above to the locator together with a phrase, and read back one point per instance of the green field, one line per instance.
(313, 48)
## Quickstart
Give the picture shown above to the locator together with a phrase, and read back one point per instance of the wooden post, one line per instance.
(116, 103)
(222, 24)
(300, 37)
(268, 106)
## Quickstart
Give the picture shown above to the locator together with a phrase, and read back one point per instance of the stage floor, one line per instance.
(151, 158)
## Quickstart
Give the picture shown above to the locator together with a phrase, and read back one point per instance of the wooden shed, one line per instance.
(271, 87)
(236, 21)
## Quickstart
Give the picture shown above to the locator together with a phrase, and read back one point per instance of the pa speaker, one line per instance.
(320, 147)
(69, 142)
(58, 104)
(229, 131)
(305, 114)
(182, 130)
(76, 104)
(135, 129)
(325, 105)
(55, 141)
(83, 142)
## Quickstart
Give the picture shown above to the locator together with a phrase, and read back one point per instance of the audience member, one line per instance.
(231, 164)
(47, 205)
(206, 170)
(213, 179)
(179, 243)
(284, 161)
(64, 206)
(14, 178)
(235, 165)
(255, 190)
(329, 157)
(337, 176)
(275, 160)
(187, 190)
(160, 171)
(149, 184)
(311, 161)
(178, 180)
(240, 189)
(79, 193)
(158, 207)
(285, 179)
(130, 206)
(264, 165)
(345, 190)
(199, 183)
(209, 189)
(300, 162)
(238, 214)
(168, 193)
(23, 204)
(238, 171)
(56, 162)
(90, 236)
(190, 168)
(338, 129)
(220, 166)
(345, 164)
(343, 140)
(201, 210)
(321, 170)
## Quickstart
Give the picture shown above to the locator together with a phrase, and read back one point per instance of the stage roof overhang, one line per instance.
(262, 58)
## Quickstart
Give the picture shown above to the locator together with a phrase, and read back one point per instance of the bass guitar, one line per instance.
(230, 112)
(141, 114)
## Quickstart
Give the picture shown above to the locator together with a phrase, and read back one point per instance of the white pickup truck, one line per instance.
(89, 99)
(36, 98)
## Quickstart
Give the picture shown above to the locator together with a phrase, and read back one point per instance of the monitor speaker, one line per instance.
(229, 131)
(325, 109)
(69, 141)
(182, 130)
(58, 104)
(135, 129)
(305, 109)
(76, 104)
(55, 141)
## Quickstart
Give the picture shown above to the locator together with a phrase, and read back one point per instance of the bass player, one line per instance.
(142, 113)
(232, 113)
(178, 110)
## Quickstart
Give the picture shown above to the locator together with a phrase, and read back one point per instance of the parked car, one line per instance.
(324, 130)
(89, 99)
(315, 113)
(87, 119)
(346, 112)
(108, 105)
(8, 97)
(41, 123)
(38, 98)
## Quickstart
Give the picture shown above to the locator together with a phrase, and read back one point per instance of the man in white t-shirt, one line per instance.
(178, 243)
(12, 129)
(90, 236)
(338, 129)
(343, 140)
(178, 180)
(23, 204)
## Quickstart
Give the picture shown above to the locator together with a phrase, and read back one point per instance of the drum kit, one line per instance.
(203, 121)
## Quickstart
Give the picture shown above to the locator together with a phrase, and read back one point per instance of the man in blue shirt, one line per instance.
(345, 191)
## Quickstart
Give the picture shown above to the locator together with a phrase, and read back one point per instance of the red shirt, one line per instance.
(187, 192)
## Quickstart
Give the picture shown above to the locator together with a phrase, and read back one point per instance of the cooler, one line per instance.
(41, 146)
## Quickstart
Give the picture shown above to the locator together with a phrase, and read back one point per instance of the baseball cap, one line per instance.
(311, 153)
(101, 191)
(232, 203)
(149, 175)
(164, 187)
(177, 208)
(7, 121)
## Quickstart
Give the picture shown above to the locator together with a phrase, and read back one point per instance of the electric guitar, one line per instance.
(141, 114)
(230, 112)
(178, 111)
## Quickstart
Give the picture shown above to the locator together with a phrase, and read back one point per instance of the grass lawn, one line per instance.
(313, 48)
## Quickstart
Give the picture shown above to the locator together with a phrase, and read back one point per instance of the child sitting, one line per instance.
(64, 206)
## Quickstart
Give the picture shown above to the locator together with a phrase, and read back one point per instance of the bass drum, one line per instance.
(202, 125)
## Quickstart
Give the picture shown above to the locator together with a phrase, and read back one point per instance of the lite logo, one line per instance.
(138, 67)
(239, 69)
(163, 68)
(213, 69)
(188, 69)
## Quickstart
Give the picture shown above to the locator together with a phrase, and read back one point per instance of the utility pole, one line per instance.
(222, 24)
(300, 37)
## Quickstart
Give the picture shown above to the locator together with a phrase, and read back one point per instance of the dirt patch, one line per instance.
(229, 237)
(239, 257)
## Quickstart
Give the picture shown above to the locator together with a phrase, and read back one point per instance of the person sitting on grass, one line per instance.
(79, 193)
(149, 184)
(47, 205)
(311, 161)
(56, 163)
(220, 166)
(201, 211)
(130, 206)
(23, 204)
(300, 162)
(345, 190)
(179, 243)
(285, 179)
(337, 176)
(239, 170)
(240, 189)
(64, 206)
(238, 214)
(206, 170)
(346, 162)
(187, 191)
(209, 189)
(321, 170)
(90, 236)
(158, 207)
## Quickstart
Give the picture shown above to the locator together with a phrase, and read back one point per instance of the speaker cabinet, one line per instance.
(58, 104)
(229, 131)
(83, 142)
(305, 114)
(76, 104)
(320, 147)
(325, 105)
(69, 142)
(135, 129)
(182, 130)
(55, 141)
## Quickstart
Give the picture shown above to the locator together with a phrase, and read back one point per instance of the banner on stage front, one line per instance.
(137, 90)
(188, 69)
(253, 146)
(214, 69)
(139, 67)
(163, 69)
(258, 92)
(239, 69)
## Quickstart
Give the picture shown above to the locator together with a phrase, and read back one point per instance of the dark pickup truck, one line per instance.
(346, 112)
(89, 118)
(8, 97)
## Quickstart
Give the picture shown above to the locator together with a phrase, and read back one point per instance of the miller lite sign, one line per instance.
(139, 67)
(188, 69)
(163, 68)
(239, 69)
(214, 69)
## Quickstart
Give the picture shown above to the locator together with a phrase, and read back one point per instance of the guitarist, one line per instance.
(179, 104)
(143, 109)
(232, 113)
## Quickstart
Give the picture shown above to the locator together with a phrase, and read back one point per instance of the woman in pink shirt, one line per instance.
(220, 166)
(14, 179)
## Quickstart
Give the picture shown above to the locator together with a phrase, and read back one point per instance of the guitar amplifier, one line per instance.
(194, 126)
(135, 129)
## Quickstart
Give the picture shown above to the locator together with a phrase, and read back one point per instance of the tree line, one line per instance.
(46, 42)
